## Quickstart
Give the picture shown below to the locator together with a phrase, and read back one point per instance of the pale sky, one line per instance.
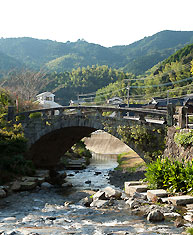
(104, 22)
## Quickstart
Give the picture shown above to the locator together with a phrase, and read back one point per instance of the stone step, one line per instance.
(130, 190)
(154, 194)
(132, 183)
(179, 200)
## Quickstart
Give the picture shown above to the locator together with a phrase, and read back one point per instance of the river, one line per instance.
(59, 211)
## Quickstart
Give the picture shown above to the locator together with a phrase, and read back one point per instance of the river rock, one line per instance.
(99, 203)
(179, 222)
(16, 186)
(112, 193)
(153, 195)
(100, 195)
(155, 215)
(179, 200)
(139, 196)
(132, 203)
(9, 219)
(67, 185)
(2, 193)
(86, 201)
(42, 174)
(172, 215)
(29, 179)
(28, 185)
(189, 217)
(87, 182)
(46, 185)
(97, 173)
(130, 190)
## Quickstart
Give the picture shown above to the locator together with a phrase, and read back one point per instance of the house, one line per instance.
(161, 103)
(188, 102)
(115, 101)
(76, 102)
(46, 100)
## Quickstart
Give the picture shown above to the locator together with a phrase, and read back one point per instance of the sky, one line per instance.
(104, 22)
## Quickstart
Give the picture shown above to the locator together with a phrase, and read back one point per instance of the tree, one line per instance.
(191, 70)
(26, 83)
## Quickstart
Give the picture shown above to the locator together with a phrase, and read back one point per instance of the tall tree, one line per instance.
(26, 83)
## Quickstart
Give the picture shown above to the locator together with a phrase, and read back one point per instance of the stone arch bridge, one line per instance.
(51, 132)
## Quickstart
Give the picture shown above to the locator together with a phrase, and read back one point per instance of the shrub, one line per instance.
(35, 115)
(189, 231)
(184, 138)
(175, 176)
(12, 149)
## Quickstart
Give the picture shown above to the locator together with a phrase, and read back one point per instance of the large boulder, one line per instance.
(112, 193)
(99, 203)
(155, 215)
(100, 195)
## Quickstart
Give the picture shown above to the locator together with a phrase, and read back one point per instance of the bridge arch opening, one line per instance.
(49, 148)
(102, 143)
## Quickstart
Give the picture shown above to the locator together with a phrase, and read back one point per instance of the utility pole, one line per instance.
(128, 93)
(167, 97)
(78, 98)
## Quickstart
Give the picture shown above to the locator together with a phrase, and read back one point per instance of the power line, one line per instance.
(139, 79)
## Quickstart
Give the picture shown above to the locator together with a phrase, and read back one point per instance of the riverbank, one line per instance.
(56, 210)
(118, 178)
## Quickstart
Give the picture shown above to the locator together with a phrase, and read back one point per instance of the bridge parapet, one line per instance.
(139, 114)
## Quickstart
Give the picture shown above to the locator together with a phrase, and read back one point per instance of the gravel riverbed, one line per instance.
(56, 210)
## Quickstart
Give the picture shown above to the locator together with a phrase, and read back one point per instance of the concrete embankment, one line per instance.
(104, 143)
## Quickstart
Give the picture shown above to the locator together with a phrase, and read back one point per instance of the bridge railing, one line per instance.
(119, 112)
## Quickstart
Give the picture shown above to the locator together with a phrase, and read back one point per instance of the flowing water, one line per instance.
(59, 211)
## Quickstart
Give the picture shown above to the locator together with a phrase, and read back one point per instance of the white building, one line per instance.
(46, 100)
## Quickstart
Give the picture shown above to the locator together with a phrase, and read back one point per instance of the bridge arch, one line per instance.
(50, 135)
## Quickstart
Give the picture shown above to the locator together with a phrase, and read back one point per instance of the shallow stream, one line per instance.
(59, 211)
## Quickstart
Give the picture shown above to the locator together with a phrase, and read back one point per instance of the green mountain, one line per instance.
(56, 56)
(8, 63)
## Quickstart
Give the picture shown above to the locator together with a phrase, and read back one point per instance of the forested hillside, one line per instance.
(8, 63)
(67, 85)
(60, 57)
(172, 78)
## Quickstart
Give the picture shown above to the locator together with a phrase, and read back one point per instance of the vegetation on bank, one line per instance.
(77, 151)
(189, 231)
(150, 142)
(129, 162)
(13, 144)
(175, 176)
(184, 138)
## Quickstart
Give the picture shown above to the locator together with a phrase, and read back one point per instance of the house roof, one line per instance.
(45, 93)
(115, 98)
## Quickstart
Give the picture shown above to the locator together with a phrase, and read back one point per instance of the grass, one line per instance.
(129, 161)
(189, 231)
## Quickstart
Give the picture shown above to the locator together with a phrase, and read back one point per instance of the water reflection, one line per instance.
(103, 161)
(95, 176)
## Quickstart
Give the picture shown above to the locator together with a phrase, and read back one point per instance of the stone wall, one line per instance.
(173, 150)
